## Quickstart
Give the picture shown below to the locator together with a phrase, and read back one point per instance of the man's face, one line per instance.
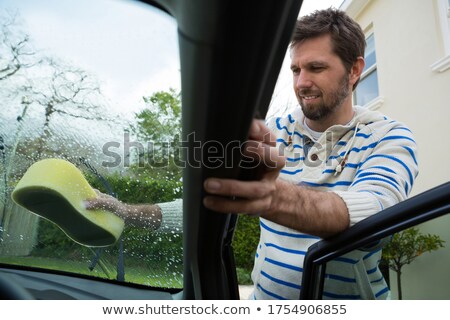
(321, 82)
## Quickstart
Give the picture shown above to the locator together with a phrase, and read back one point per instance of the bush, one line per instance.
(245, 241)
(131, 190)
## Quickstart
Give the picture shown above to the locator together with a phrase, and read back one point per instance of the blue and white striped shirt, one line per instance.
(379, 171)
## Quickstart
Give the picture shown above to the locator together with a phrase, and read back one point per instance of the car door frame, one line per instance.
(423, 207)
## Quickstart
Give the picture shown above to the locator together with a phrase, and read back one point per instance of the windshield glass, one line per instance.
(96, 84)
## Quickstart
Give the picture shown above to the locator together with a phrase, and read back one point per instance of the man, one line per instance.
(325, 167)
(334, 166)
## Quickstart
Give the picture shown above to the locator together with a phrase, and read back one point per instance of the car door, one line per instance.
(424, 207)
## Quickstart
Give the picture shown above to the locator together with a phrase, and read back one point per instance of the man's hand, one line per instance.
(252, 197)
(309, 211)
(139, 215)
(108, 203)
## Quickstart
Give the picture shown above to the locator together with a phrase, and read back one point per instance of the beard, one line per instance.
(330, 101)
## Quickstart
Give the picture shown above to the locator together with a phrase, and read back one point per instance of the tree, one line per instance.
(16, 51)
(405, 247)
(67, 91)
(36, 89)
(31, 80)
(161, 119)
(158, 127)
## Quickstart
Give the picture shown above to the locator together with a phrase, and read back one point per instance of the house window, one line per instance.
(445, 17)
(367, 89)
(444, 20)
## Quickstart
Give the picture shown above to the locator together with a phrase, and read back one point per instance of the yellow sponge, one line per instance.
(55, 189)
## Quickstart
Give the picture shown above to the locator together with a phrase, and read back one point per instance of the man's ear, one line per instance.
(356, 70)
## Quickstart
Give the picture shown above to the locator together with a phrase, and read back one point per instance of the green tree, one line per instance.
(158, 128)
(405, 247)
(161, 119)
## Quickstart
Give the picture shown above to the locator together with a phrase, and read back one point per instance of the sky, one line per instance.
(130, 48)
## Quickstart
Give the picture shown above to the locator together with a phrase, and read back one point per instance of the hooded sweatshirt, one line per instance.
(371, 163)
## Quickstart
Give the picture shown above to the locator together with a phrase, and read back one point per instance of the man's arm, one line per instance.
(138, 215)
(313, 212)
(309, 211)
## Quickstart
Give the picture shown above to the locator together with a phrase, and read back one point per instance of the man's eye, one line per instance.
(317, 68)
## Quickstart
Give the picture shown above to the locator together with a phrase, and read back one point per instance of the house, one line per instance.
(407, 77)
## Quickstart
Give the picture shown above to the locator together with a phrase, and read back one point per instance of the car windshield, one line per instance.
(95, 87)
(96, 84)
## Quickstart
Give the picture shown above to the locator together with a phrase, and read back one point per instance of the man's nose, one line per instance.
(303, 80)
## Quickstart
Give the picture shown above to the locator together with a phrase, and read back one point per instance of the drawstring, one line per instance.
(342, 163)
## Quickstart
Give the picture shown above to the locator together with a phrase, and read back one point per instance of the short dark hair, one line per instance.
(347, 37)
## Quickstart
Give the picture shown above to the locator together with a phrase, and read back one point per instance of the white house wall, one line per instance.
(408, 40)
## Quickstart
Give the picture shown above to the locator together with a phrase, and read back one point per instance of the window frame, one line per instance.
(376, 102)
(443, 64)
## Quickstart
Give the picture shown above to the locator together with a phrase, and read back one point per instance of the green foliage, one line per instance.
(159, 127)
(161, 119)
(52, 239)
(405, 247)
(245, 241)
(130, 189)
(244, 276)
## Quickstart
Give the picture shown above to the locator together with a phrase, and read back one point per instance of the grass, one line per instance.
(153, 276)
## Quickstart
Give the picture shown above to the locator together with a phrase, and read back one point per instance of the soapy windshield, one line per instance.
(95, 83)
